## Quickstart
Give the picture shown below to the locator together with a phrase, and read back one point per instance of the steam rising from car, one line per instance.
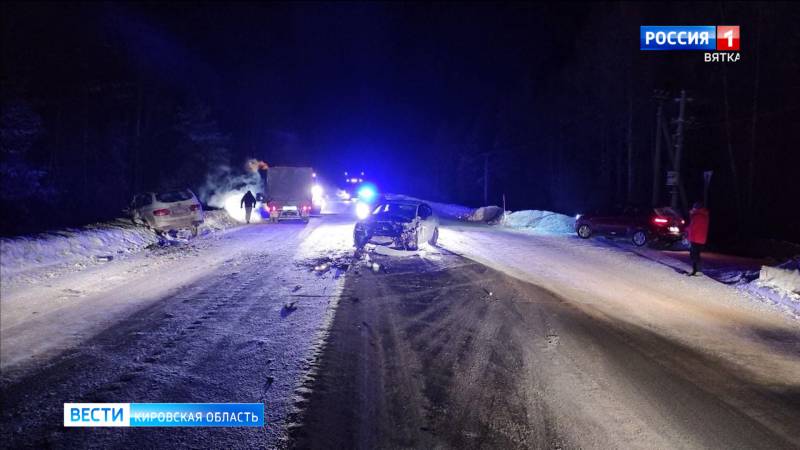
(233, 207)
(225, 187)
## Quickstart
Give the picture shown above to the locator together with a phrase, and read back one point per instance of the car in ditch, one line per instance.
(402, 224)
(641, 225)
(167, 211)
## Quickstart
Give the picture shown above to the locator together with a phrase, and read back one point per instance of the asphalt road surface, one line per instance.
(428, 350)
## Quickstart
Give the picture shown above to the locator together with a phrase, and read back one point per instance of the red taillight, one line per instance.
(660, 220)
(161, 212)
(194, 207)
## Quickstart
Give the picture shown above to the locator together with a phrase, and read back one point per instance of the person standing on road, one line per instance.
(697, 234)
(248, 202)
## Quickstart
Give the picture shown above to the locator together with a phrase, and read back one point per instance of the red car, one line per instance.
(642, 225)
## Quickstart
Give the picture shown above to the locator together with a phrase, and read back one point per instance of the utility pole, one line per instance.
(679, 146)
(657, 178)
(485, 179)
(629, 138)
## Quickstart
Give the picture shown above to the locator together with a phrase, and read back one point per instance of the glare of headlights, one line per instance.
(362, 210)
(316, 190)
(236, 212)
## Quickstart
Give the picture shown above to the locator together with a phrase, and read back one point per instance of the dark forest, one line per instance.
(100, 101)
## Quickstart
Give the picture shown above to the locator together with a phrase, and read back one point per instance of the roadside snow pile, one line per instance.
(779, 284)
(785, 277)
(78, 247)
(219, 220)
(72, 245)
(546, 222)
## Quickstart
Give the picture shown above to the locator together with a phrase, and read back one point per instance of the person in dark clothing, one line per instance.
(697, 234)
(248, 202)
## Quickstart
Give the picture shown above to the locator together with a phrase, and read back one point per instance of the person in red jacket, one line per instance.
(697, 234)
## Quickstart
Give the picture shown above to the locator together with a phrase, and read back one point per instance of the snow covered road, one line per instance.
(758, 345)
(232, 317)
(559, 343)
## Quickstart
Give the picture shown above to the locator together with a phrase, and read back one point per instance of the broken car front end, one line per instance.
(396, 234)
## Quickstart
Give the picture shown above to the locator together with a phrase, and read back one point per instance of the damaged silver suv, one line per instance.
(404, 224)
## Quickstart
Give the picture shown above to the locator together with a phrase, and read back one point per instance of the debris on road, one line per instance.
(339, 264)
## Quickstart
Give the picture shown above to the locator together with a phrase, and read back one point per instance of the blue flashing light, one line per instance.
(367, 193)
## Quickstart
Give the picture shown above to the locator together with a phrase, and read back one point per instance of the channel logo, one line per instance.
(702, 38)
(163, 414)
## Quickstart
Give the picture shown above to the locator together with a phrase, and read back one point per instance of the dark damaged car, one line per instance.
(641, 225)
(400, 224)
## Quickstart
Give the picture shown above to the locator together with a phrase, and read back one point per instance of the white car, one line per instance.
(167, 211)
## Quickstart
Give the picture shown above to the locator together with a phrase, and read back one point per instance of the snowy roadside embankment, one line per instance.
(546, 222)
(91, 244)
(779, 284)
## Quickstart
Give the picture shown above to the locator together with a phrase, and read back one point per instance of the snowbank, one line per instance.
(100, 242)
(546, 222)
(779, 284)
(785, 277)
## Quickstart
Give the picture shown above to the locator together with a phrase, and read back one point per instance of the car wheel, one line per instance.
(359, 239)
(584, 231)
(639, 238)
(434, 237)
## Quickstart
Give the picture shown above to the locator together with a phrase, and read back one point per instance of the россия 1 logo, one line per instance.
(721, 42)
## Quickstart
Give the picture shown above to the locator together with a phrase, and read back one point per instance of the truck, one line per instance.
(288, 193)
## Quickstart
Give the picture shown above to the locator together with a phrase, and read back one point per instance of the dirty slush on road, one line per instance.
(417, 357)
(443, 352)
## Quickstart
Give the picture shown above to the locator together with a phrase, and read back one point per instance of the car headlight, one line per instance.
(362, 210)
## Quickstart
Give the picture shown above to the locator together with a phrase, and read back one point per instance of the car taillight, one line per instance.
(161, 212)
(660, 220)
(194, 207)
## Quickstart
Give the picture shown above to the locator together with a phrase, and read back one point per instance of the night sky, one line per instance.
(412, 93)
